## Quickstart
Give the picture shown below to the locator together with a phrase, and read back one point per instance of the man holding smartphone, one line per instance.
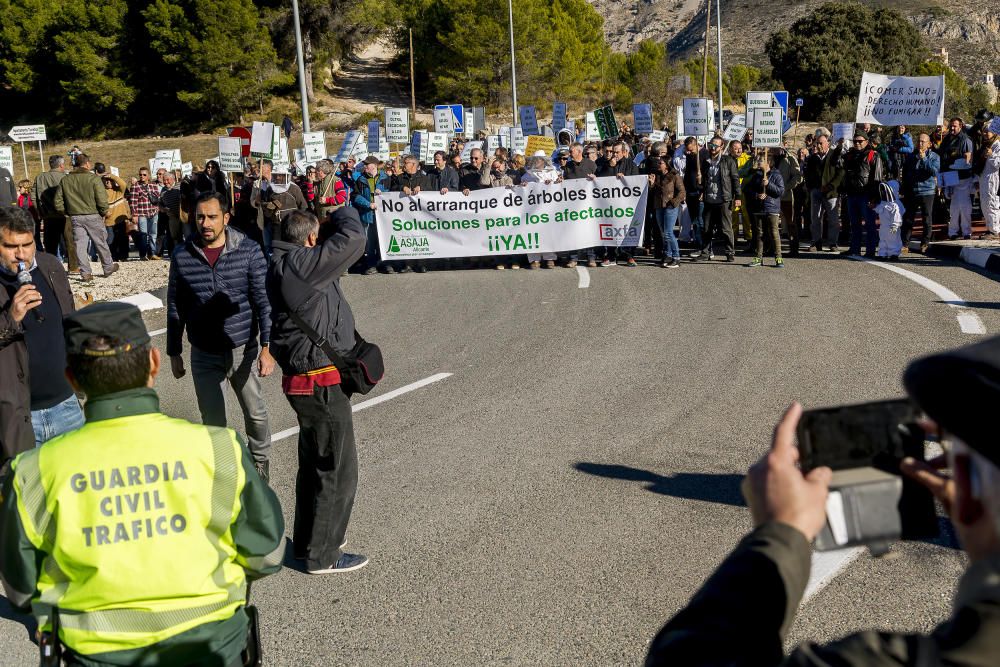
(743, 612)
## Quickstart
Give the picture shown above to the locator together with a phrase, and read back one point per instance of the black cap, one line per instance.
(114, 319)
(949, 387)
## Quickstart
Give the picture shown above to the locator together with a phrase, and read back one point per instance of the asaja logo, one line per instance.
(409, 245)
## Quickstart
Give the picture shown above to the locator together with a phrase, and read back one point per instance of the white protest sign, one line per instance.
(314, 144)
(374, 136)
(467, 149)
(444, 120)
(262, 142)
(230, 154)
(697, 116)
(164, 155)
(657, 135)
(558, 116)
(529, 120)
(516, 140)
(175, 160)
(593, 133)
(347, 146)
(901, 100)
(280, 163)
(767, 127)
(22, 133)
(499, 221)
(493, 142)
(152, 161)
(7, 158)
(436, 141)
(469, 129)
(186, 169)
(843, 131)
(160, 163)
(114, 170)
(642, 118)
(737, 128)
(397, 125)
(760, 98)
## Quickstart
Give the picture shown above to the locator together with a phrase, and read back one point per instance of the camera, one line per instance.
(870, 502)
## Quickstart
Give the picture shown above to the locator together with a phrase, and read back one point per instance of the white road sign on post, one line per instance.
(397, 125)
(314, 144)
(767, 127)
(22, 133)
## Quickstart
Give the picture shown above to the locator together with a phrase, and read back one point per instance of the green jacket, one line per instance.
(81, 192)
(742, 615)
(43, 193)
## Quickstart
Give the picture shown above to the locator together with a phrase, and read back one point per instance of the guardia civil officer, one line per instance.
(160, 522)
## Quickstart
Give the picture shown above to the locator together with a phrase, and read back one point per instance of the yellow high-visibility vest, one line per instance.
(133, 515)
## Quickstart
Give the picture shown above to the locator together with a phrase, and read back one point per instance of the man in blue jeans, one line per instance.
(864, 169)
(144, 200)
(37, 402)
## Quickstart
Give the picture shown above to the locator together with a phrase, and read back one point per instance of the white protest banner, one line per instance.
(558, 116)
(7, 158)
(843, 131)
(657, 135)
(529, 120)
(262, 142)
(436, 141)
(186, 169)
(697, 116)
(642, 118)
(347, 146)
(114, 170)
(500, 221)
(397, 125)
(22, 133)
(230, 154)
(314, 144)
(767, 127)
(374, 132)
(444, 120)
(593, 133)
(737, 128)
(467, 149)
(901, 100)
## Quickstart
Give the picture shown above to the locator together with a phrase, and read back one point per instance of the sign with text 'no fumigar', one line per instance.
(901, 100)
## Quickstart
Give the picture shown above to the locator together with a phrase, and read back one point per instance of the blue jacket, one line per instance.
(920, 173)
(363, 199)
(775, 189)
(222, 307)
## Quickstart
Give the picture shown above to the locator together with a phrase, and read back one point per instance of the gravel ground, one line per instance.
(133, 277)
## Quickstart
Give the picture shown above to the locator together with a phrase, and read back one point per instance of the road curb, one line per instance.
(986, 258)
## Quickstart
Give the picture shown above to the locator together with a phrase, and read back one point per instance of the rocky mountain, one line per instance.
(969, 32)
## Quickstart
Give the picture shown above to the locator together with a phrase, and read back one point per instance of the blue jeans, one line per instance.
(667, 217)
(51, 422)
(696, 209)
(145, 236)
(859, 211)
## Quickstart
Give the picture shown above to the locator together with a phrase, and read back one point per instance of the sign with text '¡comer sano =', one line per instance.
(901, 100)
(500, 221)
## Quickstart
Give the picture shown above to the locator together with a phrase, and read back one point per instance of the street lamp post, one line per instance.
(302, 66)
(513, 68)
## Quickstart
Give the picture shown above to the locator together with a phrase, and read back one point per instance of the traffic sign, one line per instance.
(799, 102)
(244, 135)
(22, 133)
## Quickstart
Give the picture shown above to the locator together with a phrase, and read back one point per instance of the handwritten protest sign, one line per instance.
(901, 100)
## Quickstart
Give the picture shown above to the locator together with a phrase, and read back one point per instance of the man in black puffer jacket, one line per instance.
(216, 291)
(304, 278)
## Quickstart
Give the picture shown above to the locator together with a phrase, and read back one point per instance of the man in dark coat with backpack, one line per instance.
(309, 313)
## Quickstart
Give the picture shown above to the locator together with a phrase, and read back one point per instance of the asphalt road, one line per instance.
(569, 486)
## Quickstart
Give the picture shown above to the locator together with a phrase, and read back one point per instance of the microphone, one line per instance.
(24, 278)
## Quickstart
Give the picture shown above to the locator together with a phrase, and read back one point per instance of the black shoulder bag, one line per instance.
(360, 369)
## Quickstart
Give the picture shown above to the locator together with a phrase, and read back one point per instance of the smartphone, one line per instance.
(863, 444)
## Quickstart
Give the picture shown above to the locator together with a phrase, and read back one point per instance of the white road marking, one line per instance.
(157, 332)
(968, 321)
(826, 565)
(143, 301)
(382, 398)
(584, 276)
